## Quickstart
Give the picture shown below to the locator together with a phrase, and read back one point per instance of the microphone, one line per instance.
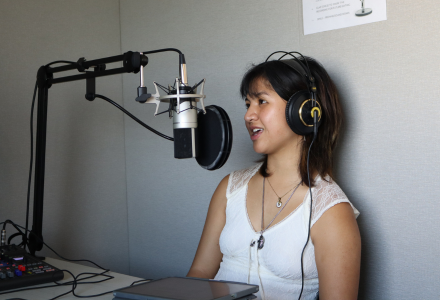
(184, 117)
(185, 127)
(204, 134)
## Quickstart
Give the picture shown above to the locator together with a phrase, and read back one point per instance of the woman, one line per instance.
(258, 220)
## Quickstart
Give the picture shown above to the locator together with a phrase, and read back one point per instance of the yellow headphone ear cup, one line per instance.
(298, 115)
(316, 109)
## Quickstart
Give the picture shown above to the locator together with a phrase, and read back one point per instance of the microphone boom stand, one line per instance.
(132, 62)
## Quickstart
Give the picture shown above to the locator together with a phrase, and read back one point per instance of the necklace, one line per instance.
(261, 239)
(279, 203)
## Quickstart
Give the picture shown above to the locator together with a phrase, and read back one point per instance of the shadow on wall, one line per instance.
(348, 175)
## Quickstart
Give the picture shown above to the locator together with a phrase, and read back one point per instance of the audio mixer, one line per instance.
(20, 269)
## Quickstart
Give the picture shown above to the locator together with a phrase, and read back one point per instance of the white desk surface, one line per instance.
(119, 281)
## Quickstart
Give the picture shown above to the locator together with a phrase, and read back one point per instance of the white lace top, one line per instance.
(276, 268)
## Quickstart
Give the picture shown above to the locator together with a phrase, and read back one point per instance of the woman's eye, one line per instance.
(262, 101)
(247, 105)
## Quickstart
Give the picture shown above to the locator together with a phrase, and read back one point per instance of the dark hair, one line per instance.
(285, 82)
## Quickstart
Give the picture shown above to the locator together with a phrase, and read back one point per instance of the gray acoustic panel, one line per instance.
(387, 74)
(85, 212)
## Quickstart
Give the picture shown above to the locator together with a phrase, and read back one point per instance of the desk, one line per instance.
(119, 281)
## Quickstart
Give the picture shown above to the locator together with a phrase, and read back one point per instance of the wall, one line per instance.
(85, 213)
(386, 73)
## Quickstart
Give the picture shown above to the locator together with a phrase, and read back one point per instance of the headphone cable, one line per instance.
(315, 133)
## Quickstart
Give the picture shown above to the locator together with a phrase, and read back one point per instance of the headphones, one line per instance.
(302, 105)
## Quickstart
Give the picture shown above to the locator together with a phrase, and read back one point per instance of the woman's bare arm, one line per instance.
(208, 256)
(337, 244)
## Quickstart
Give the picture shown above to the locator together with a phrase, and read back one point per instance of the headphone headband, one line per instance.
(295, 65)
(299, 66)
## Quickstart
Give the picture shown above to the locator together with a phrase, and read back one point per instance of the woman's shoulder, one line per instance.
(326, 194)
(326, 189)
(239, 179)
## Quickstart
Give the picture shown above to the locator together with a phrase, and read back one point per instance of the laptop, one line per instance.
(187, 288)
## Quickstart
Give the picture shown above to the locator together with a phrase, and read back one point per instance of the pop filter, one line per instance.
(214, 137)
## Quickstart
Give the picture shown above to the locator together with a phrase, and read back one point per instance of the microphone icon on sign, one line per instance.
(363, 11)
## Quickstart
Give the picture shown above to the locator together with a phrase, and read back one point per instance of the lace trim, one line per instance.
(239, 179)
(326, 194)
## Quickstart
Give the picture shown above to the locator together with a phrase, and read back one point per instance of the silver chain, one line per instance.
(261, 239)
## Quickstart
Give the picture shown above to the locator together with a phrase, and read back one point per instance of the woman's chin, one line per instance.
(260, 150)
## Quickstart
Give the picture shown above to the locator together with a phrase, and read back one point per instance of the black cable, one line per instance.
(92, 276)
(30, 166)
(134, 118)
(66, 259)
(74, 284)
(163, 50)
(315, 134)
(61, 62)
(19, 233)
(11, 237)
(310, 218)
(13, 224)
(76, 279)
(73, 260)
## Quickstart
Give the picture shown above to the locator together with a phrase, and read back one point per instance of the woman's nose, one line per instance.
(251, 114)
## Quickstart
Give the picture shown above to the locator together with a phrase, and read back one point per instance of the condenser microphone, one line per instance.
(184, 117)
(185, 127)
(202, 133)
(205, 135)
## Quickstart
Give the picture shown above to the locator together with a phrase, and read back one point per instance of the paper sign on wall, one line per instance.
(324, 15)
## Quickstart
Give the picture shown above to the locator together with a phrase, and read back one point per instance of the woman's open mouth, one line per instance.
(256, 132)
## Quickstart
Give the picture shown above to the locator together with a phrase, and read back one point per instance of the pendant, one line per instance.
(261, 242)
(279, 203)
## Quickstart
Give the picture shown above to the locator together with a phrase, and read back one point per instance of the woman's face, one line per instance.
(266, 120)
